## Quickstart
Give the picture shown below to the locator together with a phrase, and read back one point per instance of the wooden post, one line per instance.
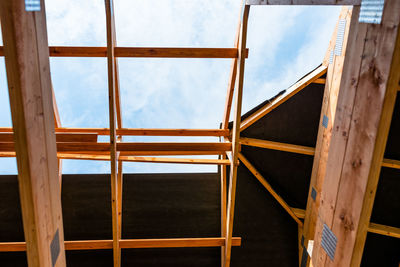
(365, 104)
(28, 74)
(113, 134)
(334, 75)
(235, 137)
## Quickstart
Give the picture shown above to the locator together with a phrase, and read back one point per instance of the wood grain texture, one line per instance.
(28, 77)
(131, 243)
(139, 131)
(131, 52)
(277, 146)
(332, 85)
(110, 30)
(236, 136)
(365, 105)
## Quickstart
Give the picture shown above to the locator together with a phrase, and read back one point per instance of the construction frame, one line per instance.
(350, 80)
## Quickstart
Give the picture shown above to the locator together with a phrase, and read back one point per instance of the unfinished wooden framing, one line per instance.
(82, 143)
(31, 98)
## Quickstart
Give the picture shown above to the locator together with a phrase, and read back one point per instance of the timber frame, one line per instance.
(82, 144)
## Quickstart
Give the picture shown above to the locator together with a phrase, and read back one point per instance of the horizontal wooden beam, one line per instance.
(391, 163)
(160, 52)
(60, 137)
(384, 230)
(145, 159)
(137, 148)
(131, 243)
(304, 2)
(375, 228)
(277, 146)
(306, 150)
(139, 131)
(177, 242)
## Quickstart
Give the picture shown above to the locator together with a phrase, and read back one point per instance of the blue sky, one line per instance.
(285, 42)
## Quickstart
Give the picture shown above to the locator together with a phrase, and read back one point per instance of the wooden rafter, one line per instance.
(232, 78)
(28, 75)
(161, 52)
(236, 135)
(267, 186)
(294, 89)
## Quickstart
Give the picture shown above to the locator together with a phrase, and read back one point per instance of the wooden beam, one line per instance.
(57, 123)
(390, 163)
(178, 242)
(277, 146)
(236, 135)
(131, 243)
(267, 186)
(60, 137)
(305, 2)
(174, 147)
(146, 159)
(138, 131)
(327, 117)
(362, 121)
(375, 228)
(223, 171)
(110, 27)
(232, 80)
(320, 81)
(294, 89)
(135, 148)
(300, 213)
(28, 77)
(384, 230)
(132, 52)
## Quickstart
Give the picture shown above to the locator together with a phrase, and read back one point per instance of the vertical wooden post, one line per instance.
(235, 136)
(223, 207)
(28, 74)
(113, 138)
(365, 105)
(57, 124)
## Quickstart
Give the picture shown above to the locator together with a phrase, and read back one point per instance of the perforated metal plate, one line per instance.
(340, 37)
(32, 5)
(55, 248)
(329, 241)
(371, 11)
(331, 57)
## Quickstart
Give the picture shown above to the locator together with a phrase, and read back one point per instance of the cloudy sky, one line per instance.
(285, 42)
